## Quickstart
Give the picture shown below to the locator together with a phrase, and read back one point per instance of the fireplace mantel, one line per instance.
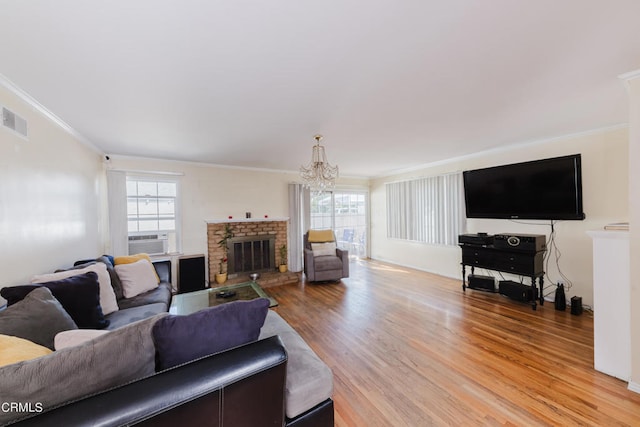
(230, 220)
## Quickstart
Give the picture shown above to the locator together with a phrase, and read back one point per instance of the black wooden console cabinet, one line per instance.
(523, 263)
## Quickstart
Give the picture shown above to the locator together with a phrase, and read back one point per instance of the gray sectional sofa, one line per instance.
(111, 380)
(144, 305)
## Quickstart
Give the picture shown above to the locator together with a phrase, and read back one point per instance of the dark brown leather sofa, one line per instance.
(241, 387)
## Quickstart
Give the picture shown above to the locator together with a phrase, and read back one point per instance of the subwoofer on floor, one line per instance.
(191, 273)
(517, 291)
(483, 283)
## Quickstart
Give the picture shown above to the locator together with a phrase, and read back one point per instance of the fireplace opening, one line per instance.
(251, 254)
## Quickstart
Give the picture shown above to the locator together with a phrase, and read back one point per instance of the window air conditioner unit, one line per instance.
(152, 244)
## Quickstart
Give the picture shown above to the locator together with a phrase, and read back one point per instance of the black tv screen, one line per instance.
(541, 189)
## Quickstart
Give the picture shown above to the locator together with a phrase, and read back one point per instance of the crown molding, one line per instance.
(33, 103)
(630, 75)
(503, 148)
(219, 166)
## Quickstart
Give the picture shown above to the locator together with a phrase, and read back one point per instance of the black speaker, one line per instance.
(517, 291)
(560, 299)
(191, 273)
(484, 283)
(576, 305)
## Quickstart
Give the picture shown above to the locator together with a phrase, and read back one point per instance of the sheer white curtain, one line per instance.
(117, 196)
(429, 210)
(299, 220)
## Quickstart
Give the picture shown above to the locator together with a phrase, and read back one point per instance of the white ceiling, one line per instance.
(390, 84)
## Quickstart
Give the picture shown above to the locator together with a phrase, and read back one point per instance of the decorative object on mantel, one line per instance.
(319, 175)
(221, 276)
(283, 259)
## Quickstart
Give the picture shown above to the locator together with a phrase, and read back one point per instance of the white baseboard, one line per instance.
(634, 386)
(417, 268)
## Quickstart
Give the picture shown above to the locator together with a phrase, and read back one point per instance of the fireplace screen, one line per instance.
(251, 254)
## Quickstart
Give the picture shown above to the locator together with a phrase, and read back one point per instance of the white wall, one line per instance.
(51, 197)
(633, 85)
(604, 182)
(213, 192)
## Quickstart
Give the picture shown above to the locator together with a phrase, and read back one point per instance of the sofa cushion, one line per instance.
(137, 277)
(38, 318)
(107, 296)
(129, 259)
(75, 337)
(309, 380)
(161, 294)
(324, 249)
(123, 317)
(324, 263)
(115, 280)
(319, 236)
(113, 359)
(180, 339)
(79, 295)
(14, 350)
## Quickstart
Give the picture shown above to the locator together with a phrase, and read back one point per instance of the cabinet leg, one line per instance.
(534, 304)
(541, 281)
(464, 273)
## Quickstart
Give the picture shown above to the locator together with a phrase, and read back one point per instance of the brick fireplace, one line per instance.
(243, 230)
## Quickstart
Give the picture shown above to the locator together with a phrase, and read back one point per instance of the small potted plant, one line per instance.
(227, 234)
(283, 259)
(221, 275)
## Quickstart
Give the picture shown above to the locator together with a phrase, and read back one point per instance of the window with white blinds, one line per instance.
(429, 210)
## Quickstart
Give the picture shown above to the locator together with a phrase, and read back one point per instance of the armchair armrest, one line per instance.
(343, 254)
(309, 265)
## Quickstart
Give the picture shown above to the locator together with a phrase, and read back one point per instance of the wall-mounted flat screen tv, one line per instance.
(540, 189)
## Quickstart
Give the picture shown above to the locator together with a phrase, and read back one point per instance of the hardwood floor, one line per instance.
(409, 348)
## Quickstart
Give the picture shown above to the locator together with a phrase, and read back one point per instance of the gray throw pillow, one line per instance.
(115, 280)
(37, 318)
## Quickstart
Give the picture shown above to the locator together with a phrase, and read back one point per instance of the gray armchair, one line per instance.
(324, 266)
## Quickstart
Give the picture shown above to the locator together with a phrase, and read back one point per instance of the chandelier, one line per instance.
(319, 175)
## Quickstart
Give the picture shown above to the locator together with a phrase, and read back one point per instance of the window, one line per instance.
(152, 215)
(345, 212)
(429, 210)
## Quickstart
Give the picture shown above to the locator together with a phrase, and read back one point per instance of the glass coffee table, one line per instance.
(191, 302)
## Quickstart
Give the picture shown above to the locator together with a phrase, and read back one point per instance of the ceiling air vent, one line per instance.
(14, 122)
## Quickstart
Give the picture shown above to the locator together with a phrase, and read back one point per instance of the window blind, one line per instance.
(429, 210)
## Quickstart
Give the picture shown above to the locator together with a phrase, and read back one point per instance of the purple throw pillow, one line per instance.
(79, 296)
(180, 339)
